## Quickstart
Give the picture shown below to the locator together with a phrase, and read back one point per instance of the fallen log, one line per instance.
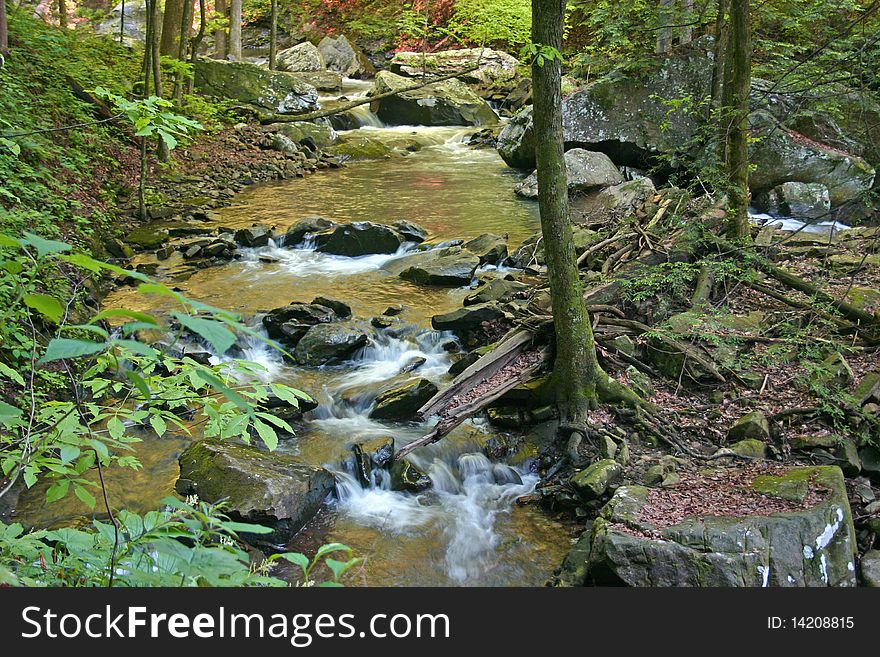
(474, 390)
(320, 114)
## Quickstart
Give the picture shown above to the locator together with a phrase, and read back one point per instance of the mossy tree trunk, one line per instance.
(4, 30)
(235, 29)
(171, 22)
(576, 369)
(737, 83)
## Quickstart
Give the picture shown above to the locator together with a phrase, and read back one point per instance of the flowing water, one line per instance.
(466, 529)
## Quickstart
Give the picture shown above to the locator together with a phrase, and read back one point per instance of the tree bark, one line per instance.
(62, 14)
(196, 43)
(273, 35)
(171, 22)
(220, 49)
(719, 52)
(576, 368)
(687, 31)
(736, 92)
(664, 36)
(235, 30)
(4, 30)
(185, 29)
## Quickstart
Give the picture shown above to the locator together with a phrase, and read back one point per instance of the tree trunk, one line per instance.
(273, 36)
(62, 14)
(736, 92)
(122, 22)
(161, 149)
(171, 22)
(719, 52)
(185, 29)
(196, 43)
(220, 34)
(576, 369)
(664, 36)
(4, 30)
(235, 30)
(687, 31)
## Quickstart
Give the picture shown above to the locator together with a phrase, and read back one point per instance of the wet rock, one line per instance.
(326, 344)
(467, 319)
(304, 227)
(575, 566)
(275, 91)
(301, 57)
(371, 455)
(810, 547)
(266, 488)
(401, 402)
(413, 364)
(455, 269)
(585, 170)
(301, 315)
(870, 568)
(393, 311)
(497, 289)
(408, 478)
(254, 236)
(344, 58)
(750, 425)
(381, 322)
(490, 249)
(594, 481)
(359, 239)
(443, 103)
(410, 231)
(287, 410)
(340, 308)
(495, 66)
(463, 363)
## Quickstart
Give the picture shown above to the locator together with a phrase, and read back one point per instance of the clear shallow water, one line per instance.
(467, 529)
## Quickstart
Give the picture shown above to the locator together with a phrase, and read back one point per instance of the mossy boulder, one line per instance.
(301, 57)
(814, 546)
(750, 448)
(266, 488)
(327, 344)
(870, 568)
(305, 132)
(446, 103)
(594, 481)
(495, 66)
(408, 478)
(149, 236)
(357, 147)
(751, 425)
(401, 402)
(341, 56)
(275, 91)
(490, 249)
(467, 319)
(498, 289)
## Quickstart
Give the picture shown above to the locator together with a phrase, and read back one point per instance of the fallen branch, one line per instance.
(320, 114)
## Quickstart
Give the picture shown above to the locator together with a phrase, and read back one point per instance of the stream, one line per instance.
(466, 529)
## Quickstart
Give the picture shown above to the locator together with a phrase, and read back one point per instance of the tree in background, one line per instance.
(171, 21)
(273, 35)
(735, 116)
(4, 30)
(235, 29)
(62, 14)
(221, 18)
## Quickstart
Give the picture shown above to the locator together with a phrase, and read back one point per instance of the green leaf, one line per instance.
(219, 337)
(267, 435)
(85, 496)
(139, 383)
(158, 425)
(214, 381)
(43, 246)
(247, 528)
(69, 453)
(115, 427)
(297, 558)
(137, 347)
(339, 568)
(330, 548)
(10, 373)
(57, 490)
(8, 412)
(47, 306)
(127, 314)
(5, 240)
(61, 348)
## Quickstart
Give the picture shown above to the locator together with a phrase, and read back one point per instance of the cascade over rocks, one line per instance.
(585, 170)
(305, 227)
(266, 488)
(278, 92)
(446, 103)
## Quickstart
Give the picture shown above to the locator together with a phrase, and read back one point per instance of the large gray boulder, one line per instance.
(328, 344)
(795, 199)
(134, 22)
(613, 203)
(445, 268)
(585, 170)
(358, 239)
(290, 323)
(813, 544)
(450, 102)
(341, 56)
(267, 488)
(301, 57)
(278, 92)
(495, 66)
(630, 120)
